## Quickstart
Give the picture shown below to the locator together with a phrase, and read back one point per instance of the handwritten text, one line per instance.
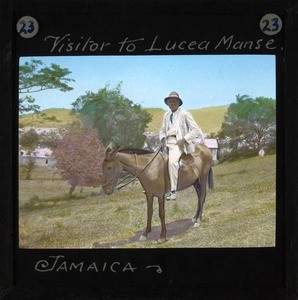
(70, 44)
(59, 263)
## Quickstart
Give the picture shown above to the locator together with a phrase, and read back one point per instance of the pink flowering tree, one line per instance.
(79, 155)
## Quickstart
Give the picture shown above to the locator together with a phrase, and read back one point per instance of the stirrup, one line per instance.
(171, 196)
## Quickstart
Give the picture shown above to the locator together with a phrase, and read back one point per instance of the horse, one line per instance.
(151, 168)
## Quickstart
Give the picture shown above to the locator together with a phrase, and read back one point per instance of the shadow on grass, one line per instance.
(35, 203)
(173, 229)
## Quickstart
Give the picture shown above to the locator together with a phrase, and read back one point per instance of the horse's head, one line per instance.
(112, 169)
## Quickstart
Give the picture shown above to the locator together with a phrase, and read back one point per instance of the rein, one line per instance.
(136, 175)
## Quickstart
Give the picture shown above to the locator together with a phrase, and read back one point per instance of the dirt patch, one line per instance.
(173, 229)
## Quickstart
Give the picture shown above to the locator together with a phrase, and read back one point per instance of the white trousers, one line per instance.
(174, 156)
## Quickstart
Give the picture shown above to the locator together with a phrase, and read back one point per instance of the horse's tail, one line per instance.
(210, 179)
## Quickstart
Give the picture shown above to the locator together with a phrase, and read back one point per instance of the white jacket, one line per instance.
(187, 128)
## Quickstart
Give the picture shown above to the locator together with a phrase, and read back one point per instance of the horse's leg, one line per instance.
(201, 192)
(161, 204)
(202, 200)
(197, 186)
(143, 237)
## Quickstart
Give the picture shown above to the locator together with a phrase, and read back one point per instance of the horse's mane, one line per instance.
(136, 151)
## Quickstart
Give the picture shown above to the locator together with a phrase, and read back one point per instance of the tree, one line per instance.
(117, 119)
(48, 138)
(79, 155)
(29, 141)
(249, 123)
(152, 142)
(35, 77)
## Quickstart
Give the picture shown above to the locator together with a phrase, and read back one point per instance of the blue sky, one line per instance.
(200, 80)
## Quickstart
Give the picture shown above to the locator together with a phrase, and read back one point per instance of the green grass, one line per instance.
(239, 212)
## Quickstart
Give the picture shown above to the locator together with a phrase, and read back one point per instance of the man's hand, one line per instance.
(181, 143)
(163, 143)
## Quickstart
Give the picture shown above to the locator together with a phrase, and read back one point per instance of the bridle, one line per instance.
(139, 174)
(136, 174)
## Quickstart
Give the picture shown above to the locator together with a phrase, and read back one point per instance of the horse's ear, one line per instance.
(108, 152)
(114, 152)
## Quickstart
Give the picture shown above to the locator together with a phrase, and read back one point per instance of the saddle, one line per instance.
(187, 158)
(187, 162)
(193, 157)
(184, 158)
(191, 161)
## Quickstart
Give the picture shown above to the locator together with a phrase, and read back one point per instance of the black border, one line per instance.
(251, 285)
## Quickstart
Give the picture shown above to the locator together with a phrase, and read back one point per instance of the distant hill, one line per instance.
(57, 118)
(157, 114)
(209, 118)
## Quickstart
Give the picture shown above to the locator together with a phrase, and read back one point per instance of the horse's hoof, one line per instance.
(197, 224)
(161, 240)
(193, 220)
(142, 238)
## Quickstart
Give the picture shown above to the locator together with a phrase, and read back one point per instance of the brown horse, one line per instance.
(151, 169)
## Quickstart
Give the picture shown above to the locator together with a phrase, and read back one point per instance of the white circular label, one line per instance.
(271, 24)
(27, 27)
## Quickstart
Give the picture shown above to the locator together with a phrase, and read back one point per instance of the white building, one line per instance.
(212, 144)
(42, 156)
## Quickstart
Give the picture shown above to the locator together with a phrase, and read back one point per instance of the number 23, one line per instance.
(27, 28)
(271, 25)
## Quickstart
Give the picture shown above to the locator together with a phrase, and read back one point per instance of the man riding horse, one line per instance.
(177, 133)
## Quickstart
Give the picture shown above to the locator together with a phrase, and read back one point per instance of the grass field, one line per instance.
(239, 212)
(209, 119)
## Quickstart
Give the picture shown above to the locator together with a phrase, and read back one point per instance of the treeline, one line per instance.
(249, 126)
